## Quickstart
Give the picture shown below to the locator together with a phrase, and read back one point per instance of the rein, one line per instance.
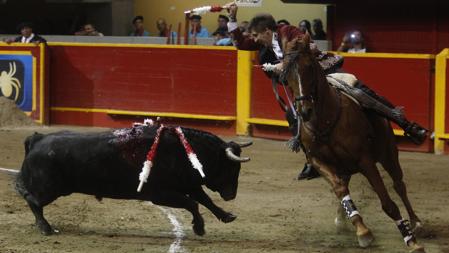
(318, 134)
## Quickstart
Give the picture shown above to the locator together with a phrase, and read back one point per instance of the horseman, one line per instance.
(270, 40)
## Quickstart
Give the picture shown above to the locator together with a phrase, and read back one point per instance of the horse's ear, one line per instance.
(306, 38)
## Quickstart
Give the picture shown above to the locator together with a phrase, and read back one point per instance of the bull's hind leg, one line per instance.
(36, 208)
(393, 167)
(340, 187)
(390, 208)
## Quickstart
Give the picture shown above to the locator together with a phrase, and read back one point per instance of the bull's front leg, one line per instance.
(179, 200)
(199, 195)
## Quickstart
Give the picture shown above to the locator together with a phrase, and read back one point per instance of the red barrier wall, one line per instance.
(405, 82)
(263, 101)
(145, 79)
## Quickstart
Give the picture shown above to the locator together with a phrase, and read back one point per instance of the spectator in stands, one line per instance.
(358, 43)
(283, 22)
(139, 30)
(27, 35)
(163, 29)
(222, 22)
(346, 43)
(89, 30)
(318, 32)
(352, 42)
(243, 26)
(196, 29)
(304, 25)
(221, 37)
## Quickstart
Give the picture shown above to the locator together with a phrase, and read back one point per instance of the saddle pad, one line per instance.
(348, 79)
(339, 84)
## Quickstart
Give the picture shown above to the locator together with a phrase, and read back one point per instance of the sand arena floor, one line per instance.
(275, 212)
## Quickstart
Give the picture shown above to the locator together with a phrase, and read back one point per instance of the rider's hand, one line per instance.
(276, 68)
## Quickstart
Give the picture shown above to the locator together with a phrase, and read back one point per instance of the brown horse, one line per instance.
(340, 138)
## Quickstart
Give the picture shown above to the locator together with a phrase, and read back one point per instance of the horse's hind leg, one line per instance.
(393, 167)
(371, 172)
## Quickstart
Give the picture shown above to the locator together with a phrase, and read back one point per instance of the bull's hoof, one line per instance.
(46, 229)
(228, 218)
(199, 229)
(365, 239)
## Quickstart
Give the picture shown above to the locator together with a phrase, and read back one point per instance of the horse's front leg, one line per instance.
(340, 187)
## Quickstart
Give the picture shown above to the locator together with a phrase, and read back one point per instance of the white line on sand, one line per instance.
(178, 231)
(9, 171)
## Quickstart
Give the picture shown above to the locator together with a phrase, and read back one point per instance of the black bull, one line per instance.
(108, 164)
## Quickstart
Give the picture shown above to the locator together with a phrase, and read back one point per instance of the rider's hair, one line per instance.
(261, 22)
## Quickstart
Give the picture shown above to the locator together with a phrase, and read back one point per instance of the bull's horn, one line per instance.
(245, 144)
(235, 158)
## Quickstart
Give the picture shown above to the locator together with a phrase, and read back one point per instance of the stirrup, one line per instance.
(293, 144)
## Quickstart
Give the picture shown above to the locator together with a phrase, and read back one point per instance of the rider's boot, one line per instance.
(308, 172)
(381, 105)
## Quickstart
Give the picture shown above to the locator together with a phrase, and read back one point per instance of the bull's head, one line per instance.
(226, 180)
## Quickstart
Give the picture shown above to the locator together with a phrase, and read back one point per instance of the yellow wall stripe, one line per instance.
(440, 100)
(387, 55)
(142, 113)
(78, 44)
(244, 78)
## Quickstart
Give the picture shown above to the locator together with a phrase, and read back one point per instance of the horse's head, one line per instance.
(299, 66)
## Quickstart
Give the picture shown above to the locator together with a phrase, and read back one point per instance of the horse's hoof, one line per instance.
(228, 218)
(419, 230)
(365, 239)
(341, 225)
(417, 249)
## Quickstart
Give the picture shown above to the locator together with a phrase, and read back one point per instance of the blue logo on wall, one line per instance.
(16, 79)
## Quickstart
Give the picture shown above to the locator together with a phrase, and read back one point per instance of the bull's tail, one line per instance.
(21, 189)
(31, 140)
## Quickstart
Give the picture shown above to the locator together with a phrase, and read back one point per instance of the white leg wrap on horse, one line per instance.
(405, 229)
(349, 207)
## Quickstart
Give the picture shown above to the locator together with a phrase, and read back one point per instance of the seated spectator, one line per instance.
(243, 26)
(162, 27)
(358, 43)
(197, 30)
(352, 42)
(221, 37)
(27, 35)
(139, 30)
(222, 22)
(304, 25)
(346, 43)
(283, 22)
(89, 30)
(318, 32)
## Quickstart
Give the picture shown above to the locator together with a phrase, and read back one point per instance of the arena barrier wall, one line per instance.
(25, 69)
(112, 84)
(219, 89)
